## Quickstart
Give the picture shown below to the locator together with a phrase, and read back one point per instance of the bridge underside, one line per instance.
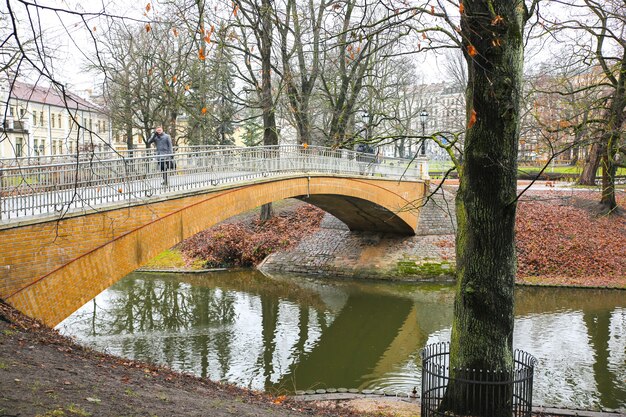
(359, 214)
(51, 267)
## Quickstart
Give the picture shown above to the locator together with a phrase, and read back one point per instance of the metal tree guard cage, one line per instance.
(487, 392)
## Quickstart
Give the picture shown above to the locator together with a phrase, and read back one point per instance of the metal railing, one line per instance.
(475, 392)
(56, 188)
(96, 155)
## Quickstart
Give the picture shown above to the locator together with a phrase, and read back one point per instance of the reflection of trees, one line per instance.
(353, 344)
(596, 307)
(609, 386)
(269, 311)
(148, 304)
(536, 300)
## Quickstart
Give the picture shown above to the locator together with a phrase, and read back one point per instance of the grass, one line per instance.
(76, 410)
(562, 169)
(17, 181)
(169, 259)
(438, 167)
(52, 413)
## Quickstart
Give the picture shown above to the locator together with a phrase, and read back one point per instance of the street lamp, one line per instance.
(423, 117)
(365, 119)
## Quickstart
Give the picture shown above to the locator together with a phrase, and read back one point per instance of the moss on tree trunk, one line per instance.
(482, 330)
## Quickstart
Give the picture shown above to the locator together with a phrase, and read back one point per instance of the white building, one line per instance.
(445, 105)
(435, 109)
(38, 121)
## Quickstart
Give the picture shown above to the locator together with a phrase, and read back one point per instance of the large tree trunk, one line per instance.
(614, 135)
(592, 162)
(270, 135)
(482, 330)
(608, 183)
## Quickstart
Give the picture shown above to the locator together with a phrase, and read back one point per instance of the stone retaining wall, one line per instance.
(336, 251)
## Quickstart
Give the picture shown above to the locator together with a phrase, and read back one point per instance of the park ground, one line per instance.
(564, 241)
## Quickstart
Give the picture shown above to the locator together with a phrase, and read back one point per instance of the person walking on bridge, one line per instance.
(164, 150)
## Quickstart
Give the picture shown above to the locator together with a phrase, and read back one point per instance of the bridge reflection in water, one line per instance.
(286, 334)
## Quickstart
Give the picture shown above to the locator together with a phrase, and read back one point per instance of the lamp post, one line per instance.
(365, 119)
(423, 117)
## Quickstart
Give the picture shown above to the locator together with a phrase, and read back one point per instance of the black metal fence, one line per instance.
(475, 392)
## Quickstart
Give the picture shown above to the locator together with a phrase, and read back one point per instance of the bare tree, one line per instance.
(598, 32)
(299, 28)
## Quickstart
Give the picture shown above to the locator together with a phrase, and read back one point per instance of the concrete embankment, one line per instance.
(335, 251)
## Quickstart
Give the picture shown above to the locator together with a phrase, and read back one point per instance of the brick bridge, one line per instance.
(53, 263)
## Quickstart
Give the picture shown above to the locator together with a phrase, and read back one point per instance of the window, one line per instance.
(36, 146)
(11, 111)
(52, 119)
(90, 124)
(22, 112)
(19, 147)
(59, 118)
(40, 118)
(104, 126)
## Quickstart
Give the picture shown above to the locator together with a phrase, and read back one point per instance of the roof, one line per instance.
(50, 96)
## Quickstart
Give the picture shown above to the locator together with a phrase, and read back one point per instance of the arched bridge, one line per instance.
(71, 228)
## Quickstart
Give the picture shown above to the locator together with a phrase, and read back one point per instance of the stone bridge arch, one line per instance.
(51, 267)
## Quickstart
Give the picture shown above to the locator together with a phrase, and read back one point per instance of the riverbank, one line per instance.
(562, 240)
(45, 374)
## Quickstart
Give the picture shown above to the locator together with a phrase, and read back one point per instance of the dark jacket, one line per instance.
(163, 143)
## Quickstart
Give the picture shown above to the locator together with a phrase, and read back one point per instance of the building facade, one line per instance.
(42, 121)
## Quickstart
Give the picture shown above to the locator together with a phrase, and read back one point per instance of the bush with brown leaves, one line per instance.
(247, 244)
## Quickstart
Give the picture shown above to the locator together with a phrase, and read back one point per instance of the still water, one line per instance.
(288, 333)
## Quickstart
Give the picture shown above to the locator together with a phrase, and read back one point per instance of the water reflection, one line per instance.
(283, 333)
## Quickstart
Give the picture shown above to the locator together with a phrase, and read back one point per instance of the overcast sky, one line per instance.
(68, 39)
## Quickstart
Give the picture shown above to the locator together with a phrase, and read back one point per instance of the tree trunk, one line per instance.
(614, 135)
(270, 135)
(574, 161)
(482, 330)
(267, 212)
(592, 162)
(608, 183)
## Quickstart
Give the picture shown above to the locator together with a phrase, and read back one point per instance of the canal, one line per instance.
(283, 334)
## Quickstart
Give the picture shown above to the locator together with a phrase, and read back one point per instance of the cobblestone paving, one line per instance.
(437, 216)
(336, 251)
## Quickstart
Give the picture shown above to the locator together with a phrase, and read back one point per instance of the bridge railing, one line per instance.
(98, 155)
(56, 188)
